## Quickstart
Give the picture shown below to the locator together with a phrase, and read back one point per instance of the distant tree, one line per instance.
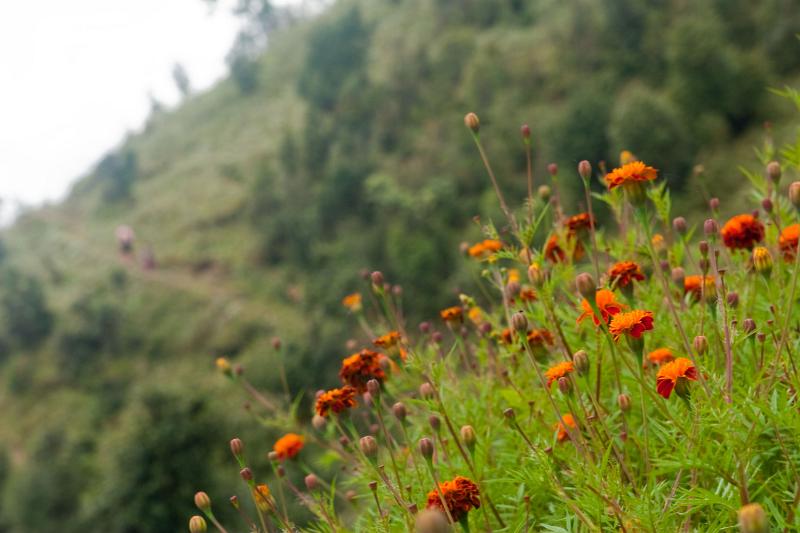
(117, 172)
(181, 78)
(26, 316)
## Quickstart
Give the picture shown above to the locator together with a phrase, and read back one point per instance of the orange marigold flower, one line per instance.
(742, 231)
(475, 315)
(694, 284)
(336, 400)
(352, 302)
(288, 446)
(460, 495)
(624, 273)
(262, 497)
(388, 340)
(361, 367)
(577, 223)
(632, 172)
(632, 323)
(660, 356)
(540, 337)
(558, 371)
(513, 275)
(675, 375)
(565, 427)
(788, 241)
(553, 251)
(485, 248)
(451, 314)
(606, 302)
(528, 294)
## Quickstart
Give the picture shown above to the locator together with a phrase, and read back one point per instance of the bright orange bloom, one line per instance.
(563, 432)
(742, 231)
(336, 400)
(507, 336)
(460, 495)
(485, 248)
(475, 315)
(660, 356)
(528, 294)
(388, 340)
(606, 302)
(540, 337)
(624, 273)
(451, 314)
(361, 367)
(788, 241)
(262, 497)
(675, 374)
(632, 323)
(577, 223)
(693, 284)
(633, 172)
(352, 302)
(288, 446)
(553, 251)
(558, 371)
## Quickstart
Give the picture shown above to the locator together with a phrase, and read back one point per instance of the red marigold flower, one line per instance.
(742, 232)
(788, 241)
(540, 337)
(553, 251)
(460, 494)
(576, 223)
(352, 302)
(288, 446)
(694, 284)
(361, 367)
(388, 340)
(624, 273)
(528, 294)
(565, 427)
(659, 356)
(632, 323)
(633, 172)
(336, 400)
(451, 314)
(606, 302)
(558, 371)
(675, 375)
(485, 248)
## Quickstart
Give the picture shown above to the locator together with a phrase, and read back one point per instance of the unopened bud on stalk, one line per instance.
(319, 422)
(700, 344)
(794, 194)
(585, 170)
(472, 122)
(748, 326)
(678, 276)
(367, 397)
(664, 264)
(276, 343)
(753, 519)
(280, 470)
(761, 336)
(774, 171)
(373, 486)
(679, 225)
(344, 441)
(762, 260)
(426, 390)
(246, 474)
(544, 191)
(703, 247)
(564, 385)
(585, 285)
(468, 436)
(426, 447)
(273, 456)
(424, 327)
(237, 447)
(512, 289)
(369, 446)
(710, 227)
(432, 521)
(581, 361)
(435, 423)
(704, 264)
(373, 387)
(552, 169)
(351, 495)
(713, 204)
(624, 402)
(197, 524)
(412, 508)
(766, 205)
(399, 411)
(377, 280)
(234, 501)
(312, 482)
(374, 428)
(535, 275)
(202, 501)
(525, 130)
(519, 321)
(437, 337)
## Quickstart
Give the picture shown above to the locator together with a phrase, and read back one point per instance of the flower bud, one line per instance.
(581, 361)
(373, 387)
(753, 519)
(679, 225)
(234, 501)
(437, 337)
(509, 413)
(468, 436)
(678, 276)
(519, 321)
(435, 423)
(535, 275)
(377, 279)
(426, 390)
(472, 122)
(748, 326)
(552, 169)
(280, 471)
(397, 290)
(369, 446)
(713, 204)
(432, 521)
(766, 205)
(224, 365)
(202, 501)
(246, 474)
(525, 130)
(273, 456)
(704, 264)
(424, 327)
(512, 290)
(794, 194)
(237, 447)
(312, 482)
(426, 447)
(197, 524)
(564, 385)
(319, 422)
(761, 336)
(624, 402)
(585, 285)
(774, 171)
(351, 495)
(700, 344)
(276, 343)
(544, 191)
(710, 227)
(585, 169)
(373, 486)
(703, 247)
(762, 260)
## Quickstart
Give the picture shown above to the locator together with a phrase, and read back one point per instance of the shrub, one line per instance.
(27, 319)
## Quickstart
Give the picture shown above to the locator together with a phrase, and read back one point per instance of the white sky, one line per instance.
(75, 76)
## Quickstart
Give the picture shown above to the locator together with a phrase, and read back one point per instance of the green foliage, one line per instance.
(117, 173)
(28, 320)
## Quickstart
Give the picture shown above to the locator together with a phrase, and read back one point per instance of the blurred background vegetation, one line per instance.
(335, 145)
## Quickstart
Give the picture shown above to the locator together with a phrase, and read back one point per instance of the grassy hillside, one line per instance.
(262, 201)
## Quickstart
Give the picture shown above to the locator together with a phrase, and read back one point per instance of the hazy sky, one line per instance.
(76, 76)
